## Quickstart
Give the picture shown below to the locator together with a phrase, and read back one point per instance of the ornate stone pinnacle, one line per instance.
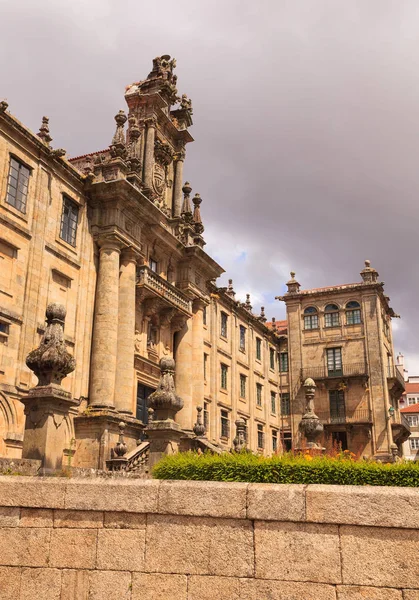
(165, 402)
(262, 316)
(369, 274)
(199, 427)
(292, 284)
(186, 211)
(239, 442)
(50, 361)
(230, 290)
(43, 132)
(120, 447)
(310, 425)
(199, 228)
(118, 145)
(247, 304)
(134, 148)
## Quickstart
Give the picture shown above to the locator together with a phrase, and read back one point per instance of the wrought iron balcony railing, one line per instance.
(360, 415)
(346, 370)
(146, 278)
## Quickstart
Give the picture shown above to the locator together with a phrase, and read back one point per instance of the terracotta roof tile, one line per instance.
(413, 408)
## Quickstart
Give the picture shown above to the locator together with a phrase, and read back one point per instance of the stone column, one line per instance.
(105, 330)
(177, 191)
(124, 381)
(185, 375)
(149, 152)
(198, 388)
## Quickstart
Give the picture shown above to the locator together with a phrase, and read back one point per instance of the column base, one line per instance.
(164, 437)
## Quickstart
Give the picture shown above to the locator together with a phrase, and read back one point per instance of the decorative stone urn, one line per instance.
(310, 426)
(239, 442)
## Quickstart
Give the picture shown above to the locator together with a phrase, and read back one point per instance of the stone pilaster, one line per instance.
(105, 331)
(198, 387)
(149, 152)
(185, 374)
(177, 192)
(124, 381)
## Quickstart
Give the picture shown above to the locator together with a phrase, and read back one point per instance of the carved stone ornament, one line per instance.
(199, 427)
(159, 179)
(310, 426)
(50, 361)
(239, 442)
(165, 402)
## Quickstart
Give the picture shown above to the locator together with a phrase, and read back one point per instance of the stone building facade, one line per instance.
(116, 238)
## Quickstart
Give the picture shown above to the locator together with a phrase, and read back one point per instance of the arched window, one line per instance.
(311, 318)
(353, 313)
(331, 315)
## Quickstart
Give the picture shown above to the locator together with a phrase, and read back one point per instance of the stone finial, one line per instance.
(247, 304)
(50, 361)
(43, 132)
(120, 448)
(293, 285)
(199, 427)
(134, 148)
(239, 442)
(163, 67)
(150, 412)
(186, 103)
(230, 289)
(262, 316)
(3, 106)
(165, 402)
(368, 273)
(310, 425)
(118, 145)
(199, 228)
(186, 211)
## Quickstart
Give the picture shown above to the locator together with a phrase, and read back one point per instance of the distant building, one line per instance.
(409, 404)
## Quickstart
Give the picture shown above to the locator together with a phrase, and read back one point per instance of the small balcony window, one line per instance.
(311, 318)
(353, 313)
(331, 315)
(334, 361)
(153, 265)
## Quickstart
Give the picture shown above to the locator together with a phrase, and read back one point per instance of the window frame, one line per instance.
(353, 313)
(223, 376)
(415, 444)
(258, 348)
(272, 358)
(311, 318)
(284, 360)
(223, 325)
(331, 316)
(21, 164)
(274, 440)
(335, 352)
(72, 224)
(242, 338)
(273, 402)
(260, 436)
(243, 386)
(225, 424)
(285, 404)
(259, 394)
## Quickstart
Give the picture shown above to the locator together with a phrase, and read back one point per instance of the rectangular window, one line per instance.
(17, 185)
(205, 366)
(334, 361)
(243, 386)
(223, 330)
(206, 417)
(258, 348)
(259, 394)
(274, 441)
(4, 328)
(413, 420)
(242, 338)
(153, 265)
(224, 369)
(285, 405)
(261, 437)
(311, 322)
(411, 401)
(272, 358)
(283, 362)
(69, 220)
(337, 406)
(225, 424)
(414, 443)
(287, 440)
(204, 316)
(273, 402)
(353, 317)
(331, 319)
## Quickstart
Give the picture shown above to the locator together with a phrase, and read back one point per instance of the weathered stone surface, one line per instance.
(81, 519)
(121, 549)
(36, 517)
(9, 583)
(354, 592)
(9, 516)
(40, 584)
(24, 547)
(110, 585)
(356, 505)
(120, 520)
(73, 548)
(203, 498)
(199, 546)
(411, 595)
(275, 502)
(75, 585)
(121, 496)
(311, 551)
(209, 588)
(380, 557)
(254, 589)
(32, 492)
(157, 586)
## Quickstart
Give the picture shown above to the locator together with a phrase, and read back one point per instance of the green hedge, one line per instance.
(285, 469)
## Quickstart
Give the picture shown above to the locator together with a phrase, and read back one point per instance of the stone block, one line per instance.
(73, 548)
(24, 547)
(209, 588)
(120, 495)
(122, 520)
(9, 583)
(110, 585)
(275, 502)
(375, 556)
(297, 551)
(36, 517)
(9, 516)
(354, 592)
(158, 586)
(203, 498)
(121, 549)
(356, 505)
(199, 545)
(75, 585)
(41, 584)
(410, 594)
(258, 589)
(32, 492)
(79, 519)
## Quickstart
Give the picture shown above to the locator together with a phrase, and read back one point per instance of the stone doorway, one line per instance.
(143, 393)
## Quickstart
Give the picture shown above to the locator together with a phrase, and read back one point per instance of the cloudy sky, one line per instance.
(306, 124)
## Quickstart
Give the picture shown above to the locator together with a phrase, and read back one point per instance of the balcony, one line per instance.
(400, 428)
(395, 380)
(152, 285)
(347, 370)
(344, 417)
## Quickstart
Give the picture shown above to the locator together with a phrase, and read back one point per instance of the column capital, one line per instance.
(109, 242)
(151, 121)
(130, 254)
(198, 304)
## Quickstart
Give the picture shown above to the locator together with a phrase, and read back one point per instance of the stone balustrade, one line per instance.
(149, 280)
(133, 539)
